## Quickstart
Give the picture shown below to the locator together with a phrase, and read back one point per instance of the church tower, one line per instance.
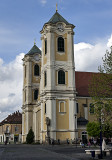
(31, 83)
(49, 92)
(57, 86)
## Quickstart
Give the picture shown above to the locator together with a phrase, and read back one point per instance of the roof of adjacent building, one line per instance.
(34, 50)
(14, 118)
(57, 18)
(82, 80)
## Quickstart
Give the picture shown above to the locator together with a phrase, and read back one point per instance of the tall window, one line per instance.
(16, 128)
(7, 129)
(61, 77)
(60, 44)
(25, 95)
(45, 46)
(36, 94)
(77, 107)
(91, 107)
(25, 71)
(45, 109)
(45, 78)
(36, 70)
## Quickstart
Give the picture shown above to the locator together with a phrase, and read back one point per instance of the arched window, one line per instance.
(45, 78)
(61, 77)
(91, 107)
(36, 94)
(84, 137)
(36, 70)
(45, 46)
(62, 107)
(60, 44)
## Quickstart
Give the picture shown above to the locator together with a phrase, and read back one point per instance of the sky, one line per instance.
(21, 22)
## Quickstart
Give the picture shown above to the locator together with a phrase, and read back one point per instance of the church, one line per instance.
(56, 102)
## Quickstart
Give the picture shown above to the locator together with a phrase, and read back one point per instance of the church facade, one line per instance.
(56, 103)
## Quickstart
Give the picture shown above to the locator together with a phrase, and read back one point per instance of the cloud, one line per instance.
(43, 2)
(11, 82)
(88, 57)
(109, 44)
(11, 94)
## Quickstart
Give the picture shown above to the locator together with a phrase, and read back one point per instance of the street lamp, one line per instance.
(75, 115)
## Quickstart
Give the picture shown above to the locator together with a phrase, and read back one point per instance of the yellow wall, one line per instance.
(11, 128)
(66, 76)
(63, 135)
(62, 57)
(81, 101)
(45, 59)
(43, 136)
(44, 118)
(62, 119)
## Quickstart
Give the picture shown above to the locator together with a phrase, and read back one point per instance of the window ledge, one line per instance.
(61, 53)
(62, 113)
(62, 84)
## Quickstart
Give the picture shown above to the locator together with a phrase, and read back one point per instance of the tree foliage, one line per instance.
(93, 129)
(100, 89)
(30, 137)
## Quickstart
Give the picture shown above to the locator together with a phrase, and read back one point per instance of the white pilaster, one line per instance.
(86, 112)
(51, 113)
(41, 138)
(72, 120)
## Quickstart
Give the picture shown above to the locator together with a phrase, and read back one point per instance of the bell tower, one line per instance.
(31, 85)
(57, 86)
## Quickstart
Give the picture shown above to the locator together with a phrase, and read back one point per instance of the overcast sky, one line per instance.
(21, 22)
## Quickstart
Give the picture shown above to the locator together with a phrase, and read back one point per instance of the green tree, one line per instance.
(100, 89)
(93, 129)
(30, 137)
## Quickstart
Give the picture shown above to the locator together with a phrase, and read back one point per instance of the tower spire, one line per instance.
(56, 7)
(34, 41)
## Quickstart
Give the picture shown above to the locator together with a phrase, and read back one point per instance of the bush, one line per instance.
(30, 137)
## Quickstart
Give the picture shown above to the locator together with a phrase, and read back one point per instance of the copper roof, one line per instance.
(15, 118)
(57, 18)
(34, 50)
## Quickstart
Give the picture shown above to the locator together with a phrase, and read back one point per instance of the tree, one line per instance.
(100, 89)
(30, 137)
(93, 129)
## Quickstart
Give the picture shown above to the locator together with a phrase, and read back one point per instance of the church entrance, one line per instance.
(84, 137)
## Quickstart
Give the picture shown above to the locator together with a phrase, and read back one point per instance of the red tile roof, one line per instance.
(15, 118)
(82, 80)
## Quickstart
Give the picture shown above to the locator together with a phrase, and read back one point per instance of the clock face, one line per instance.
(60, 27)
